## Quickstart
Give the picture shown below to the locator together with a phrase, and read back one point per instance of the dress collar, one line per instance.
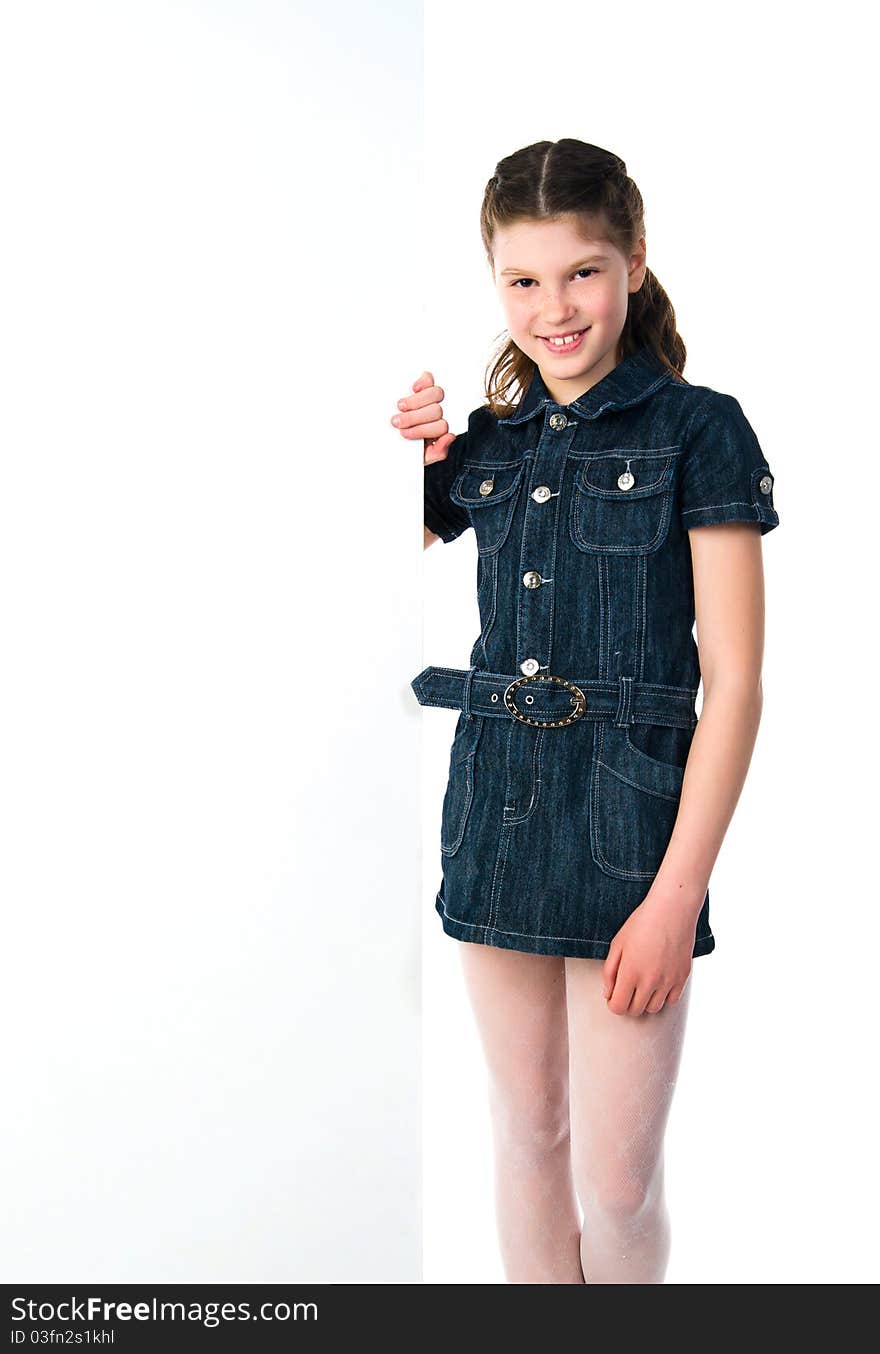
(632, 380)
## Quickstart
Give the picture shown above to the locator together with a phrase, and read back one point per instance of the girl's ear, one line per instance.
(638, 265)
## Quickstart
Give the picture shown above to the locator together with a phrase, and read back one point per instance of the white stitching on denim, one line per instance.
(537, 766)
(643, 789)
(668, 718)
(641, 612)
(604, 665)
(652, 761)
(469, 763)
(632, 452)
(585, 484)
(500, 860)
(484, 500)
(529, 935)
(466, 692)
(492, 605)
(595, 847)
(496, 465)
(536, 935)
(554, 550)
(623, 699)
(599, 686)
(641, 717)
(713, 507)
(591, 548)
(450, 848)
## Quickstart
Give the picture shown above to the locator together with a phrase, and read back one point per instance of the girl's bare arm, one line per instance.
(729, 608)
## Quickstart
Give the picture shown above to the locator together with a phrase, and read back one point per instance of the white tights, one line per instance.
(579, 1099)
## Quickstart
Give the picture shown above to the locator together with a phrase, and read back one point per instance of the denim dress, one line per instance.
(578, 708)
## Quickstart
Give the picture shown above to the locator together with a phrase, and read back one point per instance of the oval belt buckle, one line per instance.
(579, 701)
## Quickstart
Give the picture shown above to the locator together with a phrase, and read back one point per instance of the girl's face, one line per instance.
(554, 280)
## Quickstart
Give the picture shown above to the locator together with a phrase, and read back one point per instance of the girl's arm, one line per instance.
(729, 608)
(650, 958)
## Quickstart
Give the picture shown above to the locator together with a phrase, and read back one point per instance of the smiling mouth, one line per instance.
(563, 341)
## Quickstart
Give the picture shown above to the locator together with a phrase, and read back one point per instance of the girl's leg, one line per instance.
(623, 1074)
(519, 1003)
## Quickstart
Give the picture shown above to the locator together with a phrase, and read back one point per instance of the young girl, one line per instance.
(586, 805)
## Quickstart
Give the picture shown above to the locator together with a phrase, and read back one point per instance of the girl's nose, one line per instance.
(556, 317)
(556, 306)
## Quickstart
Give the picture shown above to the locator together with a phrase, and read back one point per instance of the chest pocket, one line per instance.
(489, 494)
(621, 502)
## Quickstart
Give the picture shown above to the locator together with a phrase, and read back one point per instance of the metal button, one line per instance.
(765, 484)
(558, 421)
(532, 579)
(626, 480)
(529, 667)
(486, 487)
(541, 494)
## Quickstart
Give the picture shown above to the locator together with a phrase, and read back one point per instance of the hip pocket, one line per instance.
(460, 785)
(634, 797)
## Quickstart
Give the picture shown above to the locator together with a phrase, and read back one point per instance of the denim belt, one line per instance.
(556, 701)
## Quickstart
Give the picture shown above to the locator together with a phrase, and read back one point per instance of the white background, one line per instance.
(226, 249)
(746, 130)
(210, 617)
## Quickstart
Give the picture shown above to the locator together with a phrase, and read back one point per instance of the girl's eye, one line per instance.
(531, 279)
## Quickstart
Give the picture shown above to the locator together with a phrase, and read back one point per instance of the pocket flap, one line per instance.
(481, 486)
(625, 475)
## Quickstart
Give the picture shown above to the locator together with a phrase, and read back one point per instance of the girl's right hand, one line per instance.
(421, 415)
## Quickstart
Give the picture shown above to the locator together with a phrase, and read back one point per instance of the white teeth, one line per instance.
(563, 342)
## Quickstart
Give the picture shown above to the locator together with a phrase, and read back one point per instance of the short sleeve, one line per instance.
(725, 476)
(445, 518)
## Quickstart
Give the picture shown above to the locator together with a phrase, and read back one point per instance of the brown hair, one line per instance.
(551, 179)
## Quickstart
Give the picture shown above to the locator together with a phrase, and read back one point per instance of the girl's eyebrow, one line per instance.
(594, 258)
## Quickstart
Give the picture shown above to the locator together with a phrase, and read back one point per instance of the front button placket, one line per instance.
(539, 540)
(534, 621)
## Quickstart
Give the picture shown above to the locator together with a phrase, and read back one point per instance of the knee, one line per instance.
(622, 1195)
(532, 1119)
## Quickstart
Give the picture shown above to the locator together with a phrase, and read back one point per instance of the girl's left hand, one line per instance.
(649, 960)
